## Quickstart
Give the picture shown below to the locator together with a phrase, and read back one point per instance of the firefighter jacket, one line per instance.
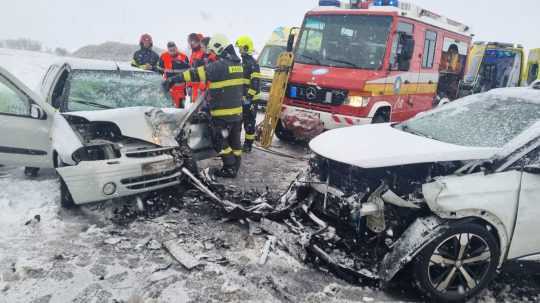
(171, 65)
(252, 76)
(225, 91)
(145, 56)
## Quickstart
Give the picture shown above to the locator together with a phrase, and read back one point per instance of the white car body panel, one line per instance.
(526, 241)
(381, 145)
(64, 140)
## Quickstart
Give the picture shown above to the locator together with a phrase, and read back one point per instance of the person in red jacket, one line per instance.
(196, 60)
(208, 55)
(173, 63)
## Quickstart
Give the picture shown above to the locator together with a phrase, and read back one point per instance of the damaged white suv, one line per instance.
(105, 128)
(450, 195)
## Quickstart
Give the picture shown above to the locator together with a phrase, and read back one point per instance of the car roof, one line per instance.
(91, 64)
(529, 94)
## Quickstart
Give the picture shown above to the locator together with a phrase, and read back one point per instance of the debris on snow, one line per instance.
(182, 256)
(268, 246)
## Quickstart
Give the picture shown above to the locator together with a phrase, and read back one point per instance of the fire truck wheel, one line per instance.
(379, 118)
(284, 134)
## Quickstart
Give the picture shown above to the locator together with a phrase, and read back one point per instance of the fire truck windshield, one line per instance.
(351, 41)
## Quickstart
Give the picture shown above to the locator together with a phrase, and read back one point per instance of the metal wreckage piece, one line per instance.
(312, 239)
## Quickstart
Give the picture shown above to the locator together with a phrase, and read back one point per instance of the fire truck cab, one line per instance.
(376, 61)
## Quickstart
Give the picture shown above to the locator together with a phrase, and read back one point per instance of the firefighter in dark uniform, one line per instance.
(145, 58)
(252, 75)
(224, 96)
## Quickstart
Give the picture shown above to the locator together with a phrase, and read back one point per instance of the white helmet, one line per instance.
(218, 43)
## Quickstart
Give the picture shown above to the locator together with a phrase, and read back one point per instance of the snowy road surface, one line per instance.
(52, 255)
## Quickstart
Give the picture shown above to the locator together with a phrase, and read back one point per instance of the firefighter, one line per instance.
(224, 96)
(145, 58)
(195, 60)
(171, 63)
(252, 75)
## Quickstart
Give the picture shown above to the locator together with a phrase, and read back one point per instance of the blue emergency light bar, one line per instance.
(386, 3)
(340, 3)
(336, 3)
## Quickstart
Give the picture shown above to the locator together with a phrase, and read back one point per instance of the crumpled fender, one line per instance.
(422, 232)
(64, 140)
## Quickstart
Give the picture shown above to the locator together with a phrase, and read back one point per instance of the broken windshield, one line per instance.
(352, 41)
(483, 120)
(97, 90)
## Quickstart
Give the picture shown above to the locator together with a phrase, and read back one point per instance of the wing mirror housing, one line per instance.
(532, 169)
(37, 112)
(292, 38)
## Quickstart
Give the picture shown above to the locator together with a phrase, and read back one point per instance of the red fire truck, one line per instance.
(373, 62)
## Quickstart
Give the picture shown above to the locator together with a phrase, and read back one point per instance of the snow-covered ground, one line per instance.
(88, 255)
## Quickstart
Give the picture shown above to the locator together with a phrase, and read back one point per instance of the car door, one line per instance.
(24, 124)
(526, 240)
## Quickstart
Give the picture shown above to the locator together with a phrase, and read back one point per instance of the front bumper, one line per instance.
(86, 180)
(301, 120)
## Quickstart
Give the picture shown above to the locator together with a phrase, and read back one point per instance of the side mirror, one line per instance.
(37, 112)
(290, 42)
(532, 169)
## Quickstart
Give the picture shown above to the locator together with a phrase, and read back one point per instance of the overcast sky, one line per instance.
(74, 23)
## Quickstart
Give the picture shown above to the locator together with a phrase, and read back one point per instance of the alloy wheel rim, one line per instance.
(459, 264)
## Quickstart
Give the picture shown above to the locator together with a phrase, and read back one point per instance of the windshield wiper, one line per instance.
(317, 61)
(408, 129)
(342, 61)
(80, 101)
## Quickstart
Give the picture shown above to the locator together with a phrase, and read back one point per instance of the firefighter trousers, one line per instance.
(226, 137)
(249, 117)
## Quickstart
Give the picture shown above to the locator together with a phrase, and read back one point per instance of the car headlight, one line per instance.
(357, 101)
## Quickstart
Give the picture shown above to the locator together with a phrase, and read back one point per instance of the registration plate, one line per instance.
(157, 167)
(308, 114)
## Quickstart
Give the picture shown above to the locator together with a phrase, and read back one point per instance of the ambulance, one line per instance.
(370, 62)
(267, 59)
(493, 65)
(532, 71)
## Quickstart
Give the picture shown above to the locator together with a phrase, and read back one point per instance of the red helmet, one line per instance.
(146, 38)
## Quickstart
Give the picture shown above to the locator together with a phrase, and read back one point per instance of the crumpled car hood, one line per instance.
(145, 123)
(381, 145)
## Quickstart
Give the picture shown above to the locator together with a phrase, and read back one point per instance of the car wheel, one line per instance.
(66, 200)
(284, 134)
(458, 264)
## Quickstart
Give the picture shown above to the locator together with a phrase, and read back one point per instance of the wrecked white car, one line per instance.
(106, 128)
(449, 195)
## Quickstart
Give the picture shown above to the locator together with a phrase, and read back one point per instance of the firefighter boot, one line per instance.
(226, 172)
(248, 146)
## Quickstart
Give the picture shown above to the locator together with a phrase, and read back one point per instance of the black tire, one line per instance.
(66, 200)
(284, 134)
(440, 262)
(379, 118)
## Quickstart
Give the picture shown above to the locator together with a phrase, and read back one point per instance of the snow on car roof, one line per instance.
(91, 64)
(526, 94)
